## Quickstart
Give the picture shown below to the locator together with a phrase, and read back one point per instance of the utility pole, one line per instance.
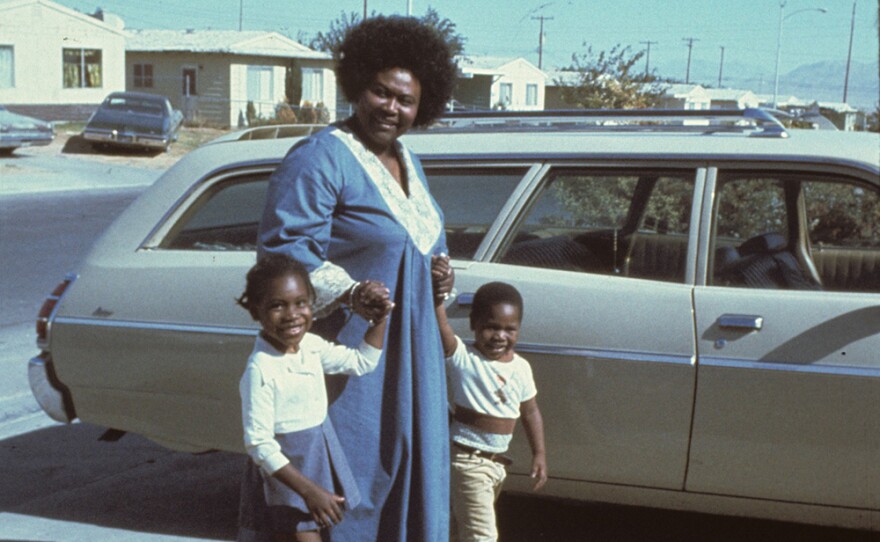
(852, 26)
(541, 39)
(365, 10)
(721, 67)
(240, 13)
(648, 56)
(690, 46)
(409, 8)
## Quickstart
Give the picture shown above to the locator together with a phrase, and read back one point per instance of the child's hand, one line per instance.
(442, 276)
(325, 507)
(372, 301)
(539, 471)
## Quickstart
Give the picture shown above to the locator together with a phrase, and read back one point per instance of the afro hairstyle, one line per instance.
(381, 43)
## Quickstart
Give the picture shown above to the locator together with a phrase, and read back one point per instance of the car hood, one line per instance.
(13, 121)
(127, 121)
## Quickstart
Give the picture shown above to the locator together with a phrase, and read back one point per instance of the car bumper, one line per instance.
(52, 396)
(113, 137)
(14, 141)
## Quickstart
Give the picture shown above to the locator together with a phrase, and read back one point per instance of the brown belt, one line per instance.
(491, 456)
(484, 422)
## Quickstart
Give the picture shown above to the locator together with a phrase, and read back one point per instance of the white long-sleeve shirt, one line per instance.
(282, 393)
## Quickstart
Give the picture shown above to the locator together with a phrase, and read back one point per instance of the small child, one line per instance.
(490, 386)
(297, 479)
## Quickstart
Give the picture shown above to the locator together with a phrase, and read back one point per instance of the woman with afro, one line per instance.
(352, 204)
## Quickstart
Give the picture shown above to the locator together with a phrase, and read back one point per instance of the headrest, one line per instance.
(760, 244)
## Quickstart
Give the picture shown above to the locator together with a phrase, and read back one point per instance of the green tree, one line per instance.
(610, 79)
(331, 40)
(874, 120)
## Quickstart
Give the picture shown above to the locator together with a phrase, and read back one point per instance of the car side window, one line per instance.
(471, 200)
(225, 217)
(843, 220)
(796, 231)
(626, 223)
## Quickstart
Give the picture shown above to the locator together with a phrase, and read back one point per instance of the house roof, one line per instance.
(251, 42)
(490, 65)
(682, 90)
(94, 21)
(730, 94)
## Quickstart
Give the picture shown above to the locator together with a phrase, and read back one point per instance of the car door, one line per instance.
(603, 258)
(788, 395)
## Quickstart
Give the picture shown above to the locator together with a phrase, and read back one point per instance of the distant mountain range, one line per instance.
(822, 81)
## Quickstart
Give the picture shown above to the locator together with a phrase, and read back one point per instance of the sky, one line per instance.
(746, 29)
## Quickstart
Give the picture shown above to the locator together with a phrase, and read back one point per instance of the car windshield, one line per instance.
(134, 105)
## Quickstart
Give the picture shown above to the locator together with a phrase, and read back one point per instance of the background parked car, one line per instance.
(22, 131)
(134, 120)
(702, 303)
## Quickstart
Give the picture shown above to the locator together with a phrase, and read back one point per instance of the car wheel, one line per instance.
(7, 151)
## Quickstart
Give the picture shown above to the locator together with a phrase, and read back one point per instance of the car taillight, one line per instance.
(44, 317)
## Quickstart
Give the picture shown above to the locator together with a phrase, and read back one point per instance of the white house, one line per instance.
(214, 75)
(57, 63)
(685, 96)
(487, 82)
(731, 98)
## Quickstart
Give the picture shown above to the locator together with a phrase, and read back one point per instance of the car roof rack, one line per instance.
(752, 121)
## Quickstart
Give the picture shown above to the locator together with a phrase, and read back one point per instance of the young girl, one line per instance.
(297, 480)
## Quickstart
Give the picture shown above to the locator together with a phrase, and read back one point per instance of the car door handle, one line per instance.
(741, 321)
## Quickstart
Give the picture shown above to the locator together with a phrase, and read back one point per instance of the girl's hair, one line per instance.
(268, 267)
(491, 294)
(382, 43)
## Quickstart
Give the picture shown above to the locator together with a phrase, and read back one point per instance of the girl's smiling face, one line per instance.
(285, 312)
(496, 335)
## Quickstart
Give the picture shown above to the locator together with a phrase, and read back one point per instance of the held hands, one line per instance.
(371, 300)
(442, 277)
(325, 507)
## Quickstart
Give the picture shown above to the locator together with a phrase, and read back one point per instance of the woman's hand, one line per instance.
(325, 507)
(371, 300)
(442, 277)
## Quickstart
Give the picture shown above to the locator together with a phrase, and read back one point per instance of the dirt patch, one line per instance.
(70, 142)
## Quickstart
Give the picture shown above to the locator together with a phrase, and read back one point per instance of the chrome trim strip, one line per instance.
(837, 370)
(157, 326)
(616, 355)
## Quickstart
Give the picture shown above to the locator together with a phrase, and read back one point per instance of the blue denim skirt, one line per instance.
(267, 505)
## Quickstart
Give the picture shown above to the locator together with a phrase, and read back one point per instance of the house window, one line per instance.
(143, 75)
(188, 76)
(531, 94)
(82, 68)
(506, 93)
(7, 67)
(312, 86)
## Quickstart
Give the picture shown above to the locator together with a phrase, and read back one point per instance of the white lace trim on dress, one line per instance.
(415, 213)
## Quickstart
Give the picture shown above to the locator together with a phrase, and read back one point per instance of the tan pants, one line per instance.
(475, 486)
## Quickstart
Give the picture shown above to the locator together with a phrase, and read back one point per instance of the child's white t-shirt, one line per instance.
(495, 388)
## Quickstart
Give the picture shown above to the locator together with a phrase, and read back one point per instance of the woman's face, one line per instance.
(387, 108)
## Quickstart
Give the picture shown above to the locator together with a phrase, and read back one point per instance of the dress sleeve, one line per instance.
(258, 419)
(340, 359)
(298, 217)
